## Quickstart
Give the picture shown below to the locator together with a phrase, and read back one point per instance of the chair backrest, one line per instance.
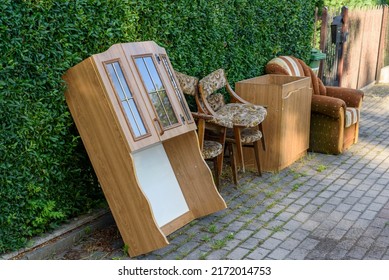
(189, 84)
(208, 88)
(287, 64)
(212, 82)
(292, 66)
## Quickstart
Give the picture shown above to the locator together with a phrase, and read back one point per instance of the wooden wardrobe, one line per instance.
(141, 139)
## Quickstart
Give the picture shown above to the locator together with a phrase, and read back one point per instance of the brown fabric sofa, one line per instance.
(334, 113)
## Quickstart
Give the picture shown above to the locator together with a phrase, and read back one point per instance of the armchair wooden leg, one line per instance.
(239, 146)
(257, 159)
(234, 170)
(260, 127)
(219, 165)
(217, 173)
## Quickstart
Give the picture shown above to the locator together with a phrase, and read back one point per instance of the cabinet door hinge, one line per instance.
(157, 58)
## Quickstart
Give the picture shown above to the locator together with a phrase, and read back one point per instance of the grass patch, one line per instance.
(230, 236)
(276, 229)
(296, 186)
(212, 228)
(218, 244)
(206, 238)
(321, 168)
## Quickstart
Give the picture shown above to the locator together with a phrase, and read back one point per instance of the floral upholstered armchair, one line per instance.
(211, 149)
(334, 111)
(243, 119)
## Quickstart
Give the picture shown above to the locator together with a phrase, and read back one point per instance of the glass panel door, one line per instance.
(156, 91)
(126, 99)
(178, 92)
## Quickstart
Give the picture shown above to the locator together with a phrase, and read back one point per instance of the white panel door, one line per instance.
(159, 183)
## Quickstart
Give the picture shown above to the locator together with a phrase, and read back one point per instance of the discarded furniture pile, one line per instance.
(150, 151)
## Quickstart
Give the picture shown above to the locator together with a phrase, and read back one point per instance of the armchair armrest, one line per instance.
(352, 97)
(201, 116)
(327, 105)
(235, 98)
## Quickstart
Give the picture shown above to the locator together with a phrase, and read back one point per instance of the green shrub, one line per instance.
(45, 173)
(240, 36)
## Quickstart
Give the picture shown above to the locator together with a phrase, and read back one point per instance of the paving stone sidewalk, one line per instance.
(321, 207)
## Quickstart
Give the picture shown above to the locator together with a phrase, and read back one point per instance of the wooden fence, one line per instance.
(355, 60)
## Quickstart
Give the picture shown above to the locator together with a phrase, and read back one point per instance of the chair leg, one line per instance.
(257, 159)
(260, 127)
(234, 170)
(217, 173)
(239, 146)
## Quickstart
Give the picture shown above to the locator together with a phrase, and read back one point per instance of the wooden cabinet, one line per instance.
(141, 139)
(286, 127)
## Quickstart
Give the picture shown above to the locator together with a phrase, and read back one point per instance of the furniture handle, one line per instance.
(160, 126)
(291, 92)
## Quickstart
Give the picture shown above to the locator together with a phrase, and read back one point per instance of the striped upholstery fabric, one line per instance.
(352, 116)
(289, 64)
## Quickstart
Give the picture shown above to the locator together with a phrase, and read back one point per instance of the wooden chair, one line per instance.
(334, 111)
(243, 119)
(212, 150)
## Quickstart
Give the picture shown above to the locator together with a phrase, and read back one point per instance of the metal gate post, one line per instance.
(341, 46)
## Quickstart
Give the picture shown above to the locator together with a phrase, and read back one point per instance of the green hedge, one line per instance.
(239, 35)
(45, 175)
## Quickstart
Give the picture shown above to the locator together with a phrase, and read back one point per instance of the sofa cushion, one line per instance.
(245, 115)
(247, 135)
(211, 149)
(351, 116)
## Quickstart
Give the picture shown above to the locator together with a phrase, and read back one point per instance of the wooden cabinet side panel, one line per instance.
(111, 159)
(193, 174)
(295, 125)
(271, 97)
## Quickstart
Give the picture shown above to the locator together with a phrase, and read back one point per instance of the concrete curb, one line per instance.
(63, 238)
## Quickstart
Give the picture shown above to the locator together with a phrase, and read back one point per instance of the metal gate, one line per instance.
(333, 35)
(354, 42)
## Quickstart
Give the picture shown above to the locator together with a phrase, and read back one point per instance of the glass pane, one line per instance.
(142, 129)
(153, 73)
(176, 89)
(131, 119)
(126, 99)
(145, 75)
(157, 92)
(170, 117)
(124, 85)
(115, 80)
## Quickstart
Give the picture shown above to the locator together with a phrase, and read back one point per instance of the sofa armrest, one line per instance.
(327, 105)
(352, 97)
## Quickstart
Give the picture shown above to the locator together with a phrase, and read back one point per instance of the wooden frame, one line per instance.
(116, 156)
